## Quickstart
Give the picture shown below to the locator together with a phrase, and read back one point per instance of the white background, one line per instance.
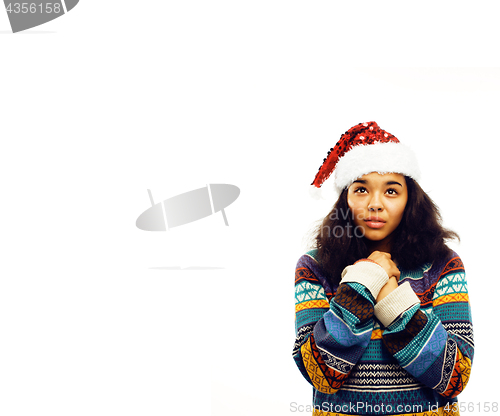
(119, 97)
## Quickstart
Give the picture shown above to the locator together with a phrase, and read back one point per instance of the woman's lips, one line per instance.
(374, 222)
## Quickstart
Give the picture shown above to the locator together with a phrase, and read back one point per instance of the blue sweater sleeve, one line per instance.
(333, 331)
(433, 339)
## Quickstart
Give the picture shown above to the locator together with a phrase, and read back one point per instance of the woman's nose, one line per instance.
(374, 204)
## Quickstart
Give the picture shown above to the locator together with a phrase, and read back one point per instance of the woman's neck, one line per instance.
(382, 245)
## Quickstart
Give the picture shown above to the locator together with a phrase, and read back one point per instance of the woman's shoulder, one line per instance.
(309, 258)
(451, 262)
(308, 268)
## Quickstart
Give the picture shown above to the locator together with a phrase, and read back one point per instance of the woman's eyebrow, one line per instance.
(360, 181)
(393, 183)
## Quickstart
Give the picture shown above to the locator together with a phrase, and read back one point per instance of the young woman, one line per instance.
(383, 323)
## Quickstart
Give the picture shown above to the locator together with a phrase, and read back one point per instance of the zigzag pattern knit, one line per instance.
(415, 365)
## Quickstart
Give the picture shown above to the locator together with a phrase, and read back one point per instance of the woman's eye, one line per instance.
(392, 191)
(360, 190)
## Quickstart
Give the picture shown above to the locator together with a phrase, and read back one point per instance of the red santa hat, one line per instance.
(363, 149)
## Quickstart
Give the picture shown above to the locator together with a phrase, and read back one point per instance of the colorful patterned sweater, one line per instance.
(409, 354)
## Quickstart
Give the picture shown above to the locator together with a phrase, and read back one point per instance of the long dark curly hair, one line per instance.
(419, 238)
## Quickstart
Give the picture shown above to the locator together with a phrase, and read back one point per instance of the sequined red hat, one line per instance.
(363, 149)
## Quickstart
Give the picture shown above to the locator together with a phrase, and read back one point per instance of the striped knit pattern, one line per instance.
(422, 358)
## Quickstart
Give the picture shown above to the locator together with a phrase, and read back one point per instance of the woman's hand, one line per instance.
(384, 259)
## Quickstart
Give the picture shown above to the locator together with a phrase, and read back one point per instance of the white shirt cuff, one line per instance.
(368, 273)
(395, 303)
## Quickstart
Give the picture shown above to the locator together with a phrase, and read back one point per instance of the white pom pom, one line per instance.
(314, 192)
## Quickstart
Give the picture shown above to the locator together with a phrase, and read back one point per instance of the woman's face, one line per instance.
(378, 203)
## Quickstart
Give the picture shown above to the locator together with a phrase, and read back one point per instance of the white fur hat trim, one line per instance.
(379, 157)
